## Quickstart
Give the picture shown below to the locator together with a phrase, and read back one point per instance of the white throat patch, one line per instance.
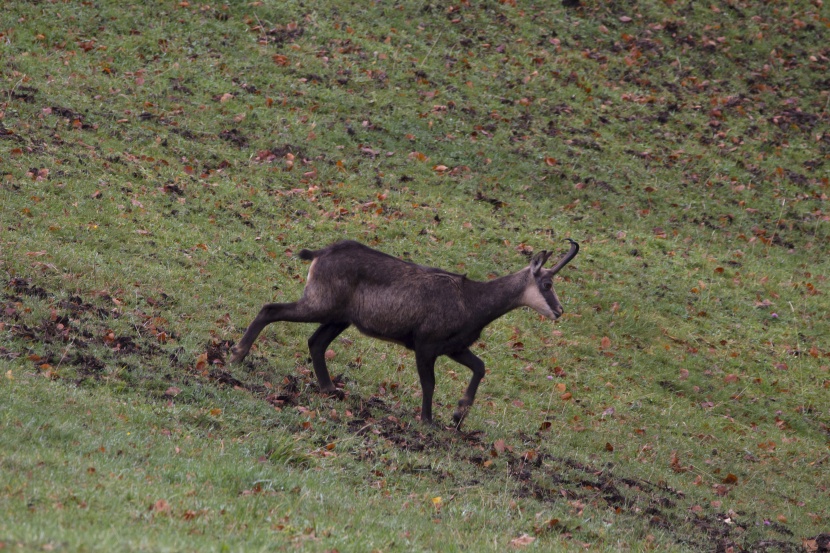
(533, 298)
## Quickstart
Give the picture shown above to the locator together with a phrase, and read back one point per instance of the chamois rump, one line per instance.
(427, 310)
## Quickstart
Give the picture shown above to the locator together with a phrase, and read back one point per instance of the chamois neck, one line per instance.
(496, 297)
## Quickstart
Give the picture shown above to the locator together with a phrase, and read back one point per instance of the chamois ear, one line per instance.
(538, 261)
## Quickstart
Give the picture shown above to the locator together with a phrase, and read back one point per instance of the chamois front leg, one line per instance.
(426, 372)
(469, 360)
(317, 345)
(295, 312)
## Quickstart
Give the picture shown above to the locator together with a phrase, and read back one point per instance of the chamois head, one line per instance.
(539, 293)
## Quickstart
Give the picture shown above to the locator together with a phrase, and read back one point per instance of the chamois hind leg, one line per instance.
(297, 312)
(469, 360)
(426, 372)
(317, 345)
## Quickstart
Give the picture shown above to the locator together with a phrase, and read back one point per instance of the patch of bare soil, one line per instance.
(71, 335)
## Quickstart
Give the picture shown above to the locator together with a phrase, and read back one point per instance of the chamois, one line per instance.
(427, 310)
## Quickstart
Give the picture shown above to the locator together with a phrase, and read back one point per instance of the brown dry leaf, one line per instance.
(675, 463)
(605, 343)
(522, 541)
(160, 506)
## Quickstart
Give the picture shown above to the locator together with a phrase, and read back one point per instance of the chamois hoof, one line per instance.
(336, 393)
(237, 355)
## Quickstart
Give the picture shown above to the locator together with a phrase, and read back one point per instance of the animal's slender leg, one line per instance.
(317, 345)
(296, 312)
(426, 372)
(472, 362)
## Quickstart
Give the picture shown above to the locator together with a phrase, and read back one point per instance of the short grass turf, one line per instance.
(161, 162)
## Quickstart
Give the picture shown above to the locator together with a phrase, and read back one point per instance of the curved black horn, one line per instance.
(567, 259)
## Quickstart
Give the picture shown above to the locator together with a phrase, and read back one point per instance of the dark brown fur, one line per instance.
(427, 310)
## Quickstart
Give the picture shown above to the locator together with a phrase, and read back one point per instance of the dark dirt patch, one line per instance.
(217, 351)
(281, 34)
(88, 366)
(78, 325)
(76, 305)
(822, 543)
(61, 111)
(287, 394)
(280, 151)
(25, 287)
(123, 344)
(235, 137)
(223, 377)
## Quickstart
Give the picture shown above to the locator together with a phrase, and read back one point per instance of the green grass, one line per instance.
(161, 164)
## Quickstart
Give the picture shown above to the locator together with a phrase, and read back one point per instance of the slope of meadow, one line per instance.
(161, 162)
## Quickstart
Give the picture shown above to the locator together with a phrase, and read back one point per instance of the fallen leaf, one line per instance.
(522, 541)
(160, 506)
(730, 479)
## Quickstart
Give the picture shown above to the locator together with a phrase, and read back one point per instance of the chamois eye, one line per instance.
(547, 286)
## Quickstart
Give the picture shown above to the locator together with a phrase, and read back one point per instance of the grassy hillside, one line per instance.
(161, 162)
